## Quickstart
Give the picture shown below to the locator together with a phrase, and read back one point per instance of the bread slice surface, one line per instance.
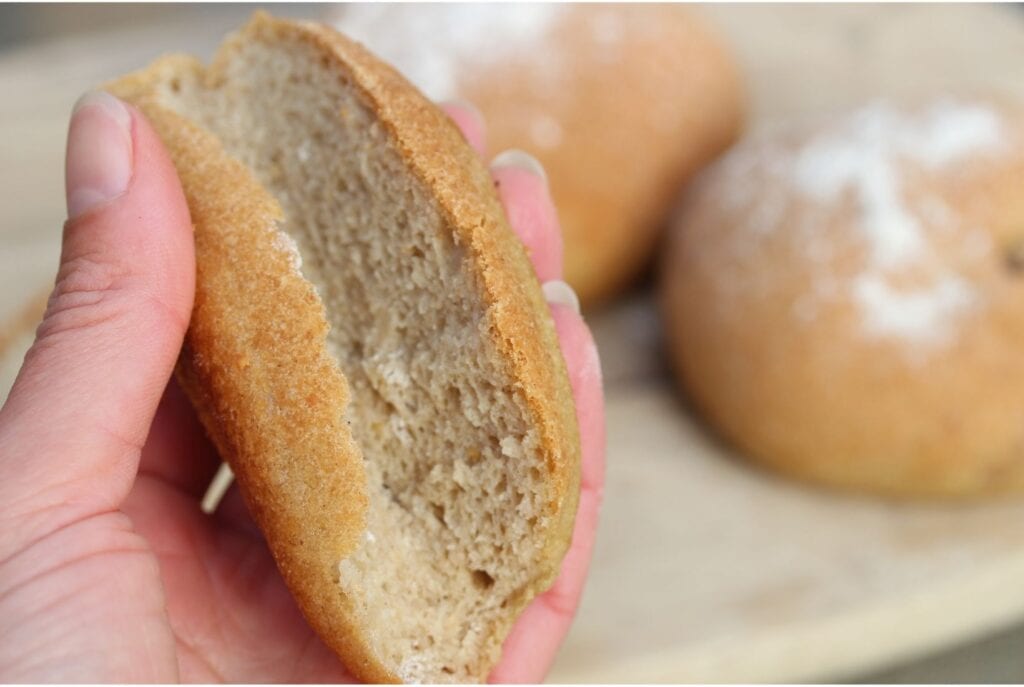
(370, 349)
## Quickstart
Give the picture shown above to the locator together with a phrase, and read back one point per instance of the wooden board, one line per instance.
(705, 569)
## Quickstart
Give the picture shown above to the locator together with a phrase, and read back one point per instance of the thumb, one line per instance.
(79, 412)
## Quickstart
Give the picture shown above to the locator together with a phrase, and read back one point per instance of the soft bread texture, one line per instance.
(370, 349)
(623, 104)
(843, 298)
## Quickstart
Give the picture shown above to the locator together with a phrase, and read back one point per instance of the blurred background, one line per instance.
(704, 570)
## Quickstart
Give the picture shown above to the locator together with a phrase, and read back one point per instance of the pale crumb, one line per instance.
(511, 447)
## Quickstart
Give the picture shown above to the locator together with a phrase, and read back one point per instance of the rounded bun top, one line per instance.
(907, 220)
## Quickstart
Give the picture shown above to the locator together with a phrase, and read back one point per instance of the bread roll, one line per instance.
(369, 349)
(621, 103)
(845, 300)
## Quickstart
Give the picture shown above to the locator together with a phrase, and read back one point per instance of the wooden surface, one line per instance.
(705, 569)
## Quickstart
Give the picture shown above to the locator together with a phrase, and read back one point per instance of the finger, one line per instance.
(81, 407)
(177, 450)
(470, 122)
(531, 646)
(523, 190)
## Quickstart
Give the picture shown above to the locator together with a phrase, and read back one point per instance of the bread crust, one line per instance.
(820, 396)
(255, 363)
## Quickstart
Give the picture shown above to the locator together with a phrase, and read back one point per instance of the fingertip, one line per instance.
(558, 292)
(146, 225)
(531, 213)
(156, 191)
(470, 122)
(98, 162)
(129, 227)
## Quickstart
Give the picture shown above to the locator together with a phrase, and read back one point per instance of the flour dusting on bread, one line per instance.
(864, 154)
(856, 196)
(919, 316)
(287, 245)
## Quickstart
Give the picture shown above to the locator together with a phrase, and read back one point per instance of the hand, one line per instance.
(109, 570)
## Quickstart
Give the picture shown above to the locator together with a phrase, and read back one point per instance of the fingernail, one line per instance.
(560, 293)
(520, 160)
(98, 166)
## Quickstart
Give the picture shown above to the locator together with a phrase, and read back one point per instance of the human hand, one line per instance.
(109, 570)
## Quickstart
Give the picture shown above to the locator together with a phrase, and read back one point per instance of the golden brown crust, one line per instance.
(239, 348)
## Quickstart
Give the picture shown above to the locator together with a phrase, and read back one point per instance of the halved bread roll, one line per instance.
(370, 349)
